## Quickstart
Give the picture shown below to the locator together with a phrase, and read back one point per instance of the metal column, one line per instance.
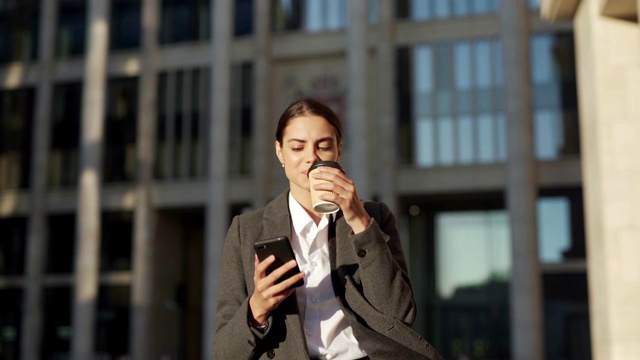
(144, 221)
(89, 203)
(521, 191)
(217, 213)
(36, 243)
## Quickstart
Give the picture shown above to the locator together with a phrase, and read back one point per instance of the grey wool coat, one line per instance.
(369, 277)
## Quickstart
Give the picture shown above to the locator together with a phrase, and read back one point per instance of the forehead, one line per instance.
(308, 126)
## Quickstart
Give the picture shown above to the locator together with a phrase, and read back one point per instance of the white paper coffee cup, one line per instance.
(321, 206)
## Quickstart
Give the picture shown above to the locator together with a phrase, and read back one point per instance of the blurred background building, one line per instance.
(132, 131)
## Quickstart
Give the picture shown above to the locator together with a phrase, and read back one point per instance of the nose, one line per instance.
(312, 156)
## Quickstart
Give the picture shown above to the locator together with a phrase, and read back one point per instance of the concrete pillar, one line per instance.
(608, 70)
(32, 316)
(385, 162)
(263, 126)
(527, 338)
(144, 216)
(356, 124)
(217, 215)
(89, 205)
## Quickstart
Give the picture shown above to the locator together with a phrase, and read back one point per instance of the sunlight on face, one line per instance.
(306, 139)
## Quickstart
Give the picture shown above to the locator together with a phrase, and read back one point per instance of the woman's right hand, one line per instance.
(267, 294)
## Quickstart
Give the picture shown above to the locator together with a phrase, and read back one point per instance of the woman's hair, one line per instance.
(308, 107)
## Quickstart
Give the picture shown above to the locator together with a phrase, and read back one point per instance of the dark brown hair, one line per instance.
(308, 107)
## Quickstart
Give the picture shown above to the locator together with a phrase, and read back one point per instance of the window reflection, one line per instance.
(56, 323)
(309, 15)
(444, 9)
(458, 117)
(16, 116)
(183, 115)
(10, 323)
(125, 24)
(473, 266)
(120, 130)
(241, 129)
(243, 24)
(70, 35)
(566, 317)
(560, 227)
(473, 248)
(18, 30)
(112, 323)
(61, 244)
(65, 135)
(554, 96)
(116, 245)
(13, 237)
(185, 20)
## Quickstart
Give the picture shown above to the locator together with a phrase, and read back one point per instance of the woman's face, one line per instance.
(305, 140)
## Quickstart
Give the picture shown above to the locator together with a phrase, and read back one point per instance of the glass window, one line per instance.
(554, 96)
(458, 118)
(241, 129)
(405, 108)
(61, 244)
(56, 323)
(70, 37)
(309, 15)
(461, 268)
(125, 24)
(243, 24)
(183, 116)
(566, 317)
(18, 30)
(286, 15)
(12, 245)
(16, 115)
(116, 247)
(112, 323)
(120, 130)
(425, 96)
(185, 20)
(444, 9)
(560, 226)
(10, 323)
(65, 135)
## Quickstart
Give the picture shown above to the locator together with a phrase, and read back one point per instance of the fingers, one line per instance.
(336, 182)
(266, 284)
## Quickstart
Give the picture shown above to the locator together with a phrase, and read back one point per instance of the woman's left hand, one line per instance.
(344, 195)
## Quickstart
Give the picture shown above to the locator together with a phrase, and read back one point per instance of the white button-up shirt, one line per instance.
(328, 334)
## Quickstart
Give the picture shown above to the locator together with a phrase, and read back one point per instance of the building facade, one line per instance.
(132, 131)
(607, 36)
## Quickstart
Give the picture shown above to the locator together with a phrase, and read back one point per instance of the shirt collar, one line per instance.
(300, 219)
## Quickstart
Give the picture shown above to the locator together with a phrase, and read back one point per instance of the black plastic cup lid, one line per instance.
(332, 164)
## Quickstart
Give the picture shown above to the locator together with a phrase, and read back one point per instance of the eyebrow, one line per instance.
(328, 138)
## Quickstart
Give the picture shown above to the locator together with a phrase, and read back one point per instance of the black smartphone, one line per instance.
(280, 247)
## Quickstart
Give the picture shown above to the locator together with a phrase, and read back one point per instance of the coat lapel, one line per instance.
(277, 222)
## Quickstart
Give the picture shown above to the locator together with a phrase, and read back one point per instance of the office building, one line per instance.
(132, 131)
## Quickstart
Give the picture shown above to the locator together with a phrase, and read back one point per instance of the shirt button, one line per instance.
(314, 264)
(313, 299)
(362, 253)
(308, 332)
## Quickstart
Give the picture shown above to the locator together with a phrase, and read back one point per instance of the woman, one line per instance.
(356, 301)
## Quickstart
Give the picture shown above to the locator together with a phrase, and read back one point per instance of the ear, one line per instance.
(339, 151)
(279, 152)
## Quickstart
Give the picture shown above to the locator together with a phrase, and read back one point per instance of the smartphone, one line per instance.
(280, 247)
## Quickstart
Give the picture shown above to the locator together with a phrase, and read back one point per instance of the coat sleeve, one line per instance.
(234, 338)
(383, 268)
